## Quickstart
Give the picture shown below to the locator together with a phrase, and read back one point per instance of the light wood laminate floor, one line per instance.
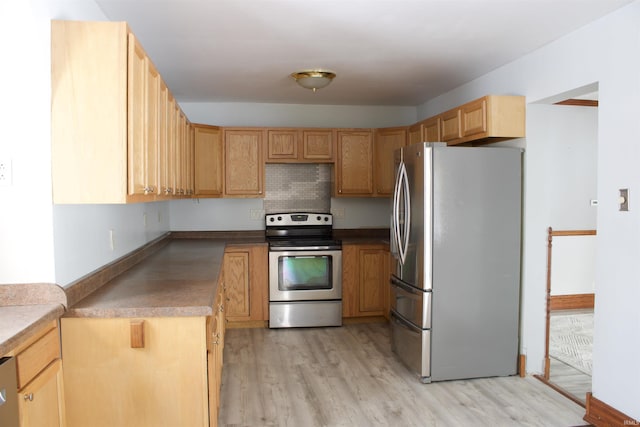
(347, 376)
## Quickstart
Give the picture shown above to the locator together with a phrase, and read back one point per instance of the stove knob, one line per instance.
(326, 218)
(271, 219)
(279, 218)
(318, 217)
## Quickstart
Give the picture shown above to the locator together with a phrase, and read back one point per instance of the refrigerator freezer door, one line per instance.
(411, 303)
(412, 346)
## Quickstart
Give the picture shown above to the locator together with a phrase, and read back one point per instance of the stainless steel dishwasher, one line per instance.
(8, 393)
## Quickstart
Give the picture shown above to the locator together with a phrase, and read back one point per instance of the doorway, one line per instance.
(571, 192)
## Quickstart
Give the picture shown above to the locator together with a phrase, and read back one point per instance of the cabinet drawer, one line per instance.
(37, 357)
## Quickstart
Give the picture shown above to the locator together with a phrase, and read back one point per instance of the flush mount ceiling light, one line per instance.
(313, 79)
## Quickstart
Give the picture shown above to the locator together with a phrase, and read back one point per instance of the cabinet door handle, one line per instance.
(29, 397)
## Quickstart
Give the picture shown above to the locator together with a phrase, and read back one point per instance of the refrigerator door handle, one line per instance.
(395, 232)
(402, 321)
(404, 286)
(407, 212)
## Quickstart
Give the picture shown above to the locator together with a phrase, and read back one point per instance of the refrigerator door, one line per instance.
(476, 258)
(412, 346)
(416, 269)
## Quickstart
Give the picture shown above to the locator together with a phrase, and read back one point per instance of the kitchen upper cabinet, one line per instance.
(109, 113)
(296, 145)
(40, 382)
(245, 281)
(450, 125)
(318, 145)
(365, 280)
(431, 130)
(244, 164)
(488, 119)
(208, 161)
(354, 166)
(282, 145)
(386, 142)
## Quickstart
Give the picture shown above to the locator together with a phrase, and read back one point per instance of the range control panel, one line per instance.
(298, 219)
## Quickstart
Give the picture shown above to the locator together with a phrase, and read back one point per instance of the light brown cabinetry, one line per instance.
(215, 351)
(208, 161)
(296, 145)
(109, 383)
(365, 280)
(40, 383)
(317, 145)
(386, 141)
(487, 119)
(110, 141)
(354, 166)
(450, 125)
(244, 162)
(425, 131)
(246, 284)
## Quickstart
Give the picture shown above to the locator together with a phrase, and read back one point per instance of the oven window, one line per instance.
(298, 273)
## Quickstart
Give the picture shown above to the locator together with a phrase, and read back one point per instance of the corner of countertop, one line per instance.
(32, 294)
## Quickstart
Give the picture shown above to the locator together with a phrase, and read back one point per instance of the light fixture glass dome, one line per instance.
(313, 79)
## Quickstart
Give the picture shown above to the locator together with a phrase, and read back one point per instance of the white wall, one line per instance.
(41, 242)
(83, 234)
(284, 115)
(604, 52)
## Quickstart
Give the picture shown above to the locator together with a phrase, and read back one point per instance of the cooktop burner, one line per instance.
(298, 230)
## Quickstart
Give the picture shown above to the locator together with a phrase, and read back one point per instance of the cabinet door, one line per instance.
(365, 280)
(244, 165)
(282, 144)
(137, 117)
(214, 356)
(386, 142)
(208, 161)
(236, 279)
(246, 283)
(374, 272)
(415, 133)
(450, 125)
(350, 278)
(354, 173)
(317, 145)
(109, 383)
(432, 130)
(474, 117)
(41, 402)
(152, 139)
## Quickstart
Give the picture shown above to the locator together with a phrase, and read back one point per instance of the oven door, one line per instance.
(305, 275)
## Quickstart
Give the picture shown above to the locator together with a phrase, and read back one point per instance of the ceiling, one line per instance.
(384, 52)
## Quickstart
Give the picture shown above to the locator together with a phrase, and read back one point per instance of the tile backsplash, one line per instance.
(297, 187)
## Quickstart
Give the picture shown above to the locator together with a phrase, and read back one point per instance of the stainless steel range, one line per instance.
(305, 270)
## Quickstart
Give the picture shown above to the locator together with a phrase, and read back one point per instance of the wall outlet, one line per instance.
(5, 172)
(338, 213)
(256, 214)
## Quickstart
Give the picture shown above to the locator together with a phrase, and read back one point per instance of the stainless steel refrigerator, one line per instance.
(455, 241)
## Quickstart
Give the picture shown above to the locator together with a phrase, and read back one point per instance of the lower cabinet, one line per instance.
(246, 283)
(156, 371)
(365, 280)
(40, 385)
